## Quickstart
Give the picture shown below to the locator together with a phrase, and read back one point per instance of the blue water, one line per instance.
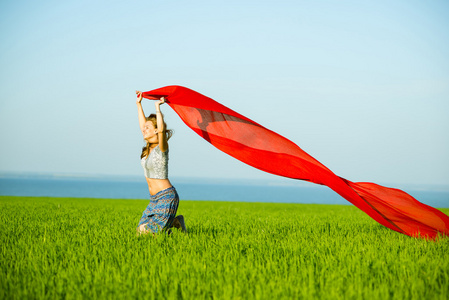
(191, 190)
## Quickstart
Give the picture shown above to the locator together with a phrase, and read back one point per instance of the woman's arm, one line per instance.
(140, 112)
(163, 145)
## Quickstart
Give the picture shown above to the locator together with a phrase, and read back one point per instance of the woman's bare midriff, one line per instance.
(157, 185)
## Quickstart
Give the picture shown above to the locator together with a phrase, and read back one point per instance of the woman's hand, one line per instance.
(139, 97)
(158, 103)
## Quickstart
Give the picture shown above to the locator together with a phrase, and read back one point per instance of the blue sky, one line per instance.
(362, 87)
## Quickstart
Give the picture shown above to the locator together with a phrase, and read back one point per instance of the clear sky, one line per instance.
(362, 86)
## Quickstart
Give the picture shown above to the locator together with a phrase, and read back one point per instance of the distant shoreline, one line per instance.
(263, 191)
(146, 200)
(275, 181)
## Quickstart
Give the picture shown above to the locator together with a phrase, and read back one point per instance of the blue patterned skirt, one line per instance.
(161, 211)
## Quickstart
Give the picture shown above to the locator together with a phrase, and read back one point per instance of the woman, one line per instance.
(160, 213)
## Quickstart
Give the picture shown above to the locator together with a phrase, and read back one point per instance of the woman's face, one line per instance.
(150, 132)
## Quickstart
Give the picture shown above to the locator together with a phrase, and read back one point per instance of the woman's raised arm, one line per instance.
(140, 112)
(163, 145)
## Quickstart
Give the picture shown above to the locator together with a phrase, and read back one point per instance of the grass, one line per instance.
(87, 248)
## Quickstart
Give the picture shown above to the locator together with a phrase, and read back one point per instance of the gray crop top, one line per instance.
(155, 165)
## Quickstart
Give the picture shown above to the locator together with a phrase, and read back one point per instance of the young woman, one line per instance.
(160, 213)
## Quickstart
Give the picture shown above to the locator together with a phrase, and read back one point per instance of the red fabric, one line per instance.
(266, 150)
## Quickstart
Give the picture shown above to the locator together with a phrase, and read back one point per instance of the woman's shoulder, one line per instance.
(160, 150)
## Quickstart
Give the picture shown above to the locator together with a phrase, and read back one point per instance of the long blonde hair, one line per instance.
(147, 147)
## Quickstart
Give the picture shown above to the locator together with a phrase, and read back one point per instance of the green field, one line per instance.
(88, 249)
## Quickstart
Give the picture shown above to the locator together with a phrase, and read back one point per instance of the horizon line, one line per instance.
(276, 180)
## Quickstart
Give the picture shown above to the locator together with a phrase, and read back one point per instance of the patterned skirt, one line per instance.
(160, 213)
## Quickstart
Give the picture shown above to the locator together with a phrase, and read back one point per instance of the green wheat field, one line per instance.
(69, 248)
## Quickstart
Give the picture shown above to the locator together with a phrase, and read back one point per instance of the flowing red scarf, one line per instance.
(268, 151)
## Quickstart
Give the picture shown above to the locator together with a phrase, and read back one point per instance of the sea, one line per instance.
(242, 190)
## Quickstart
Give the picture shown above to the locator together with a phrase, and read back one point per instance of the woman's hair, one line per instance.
(168, 134)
